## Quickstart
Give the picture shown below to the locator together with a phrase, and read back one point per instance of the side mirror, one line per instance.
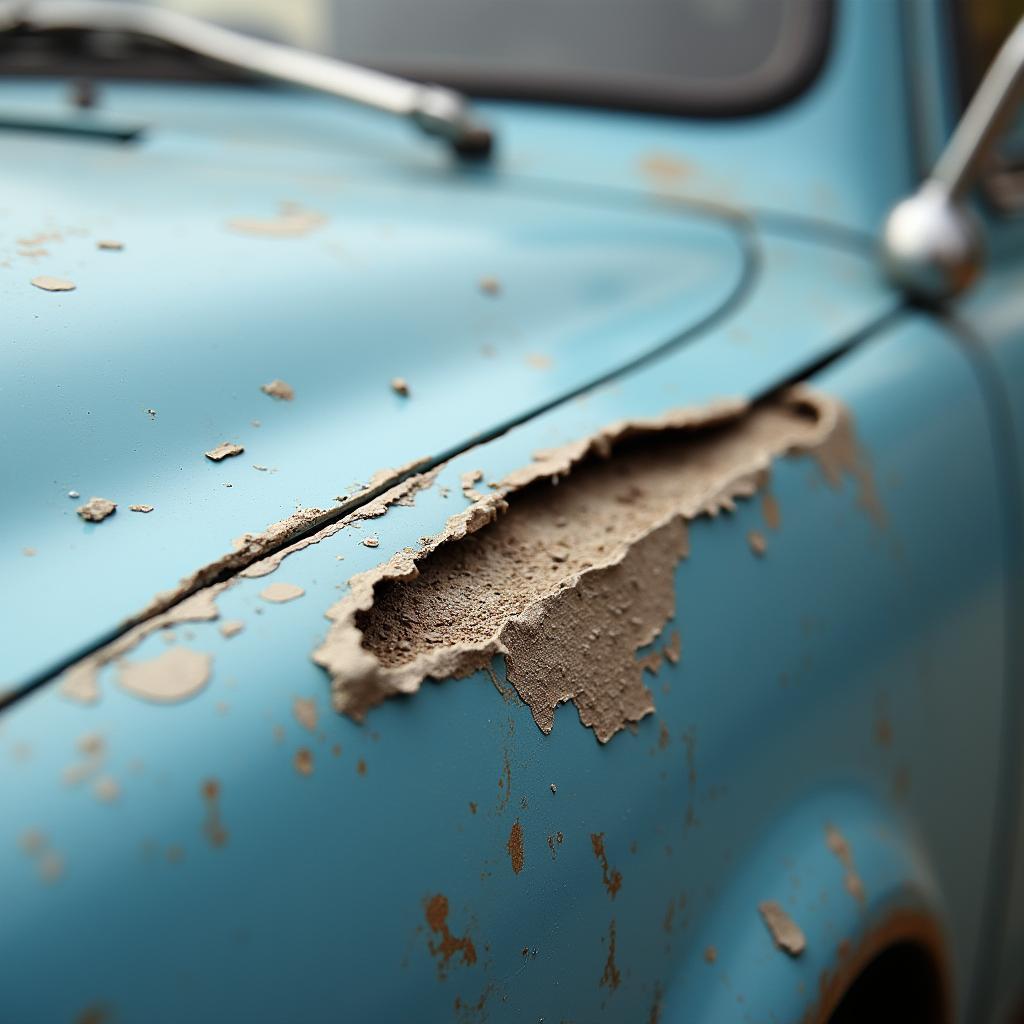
(931, 244)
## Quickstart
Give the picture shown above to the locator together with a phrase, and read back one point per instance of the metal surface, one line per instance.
(931, 244)
(779, 721)
(434, 109)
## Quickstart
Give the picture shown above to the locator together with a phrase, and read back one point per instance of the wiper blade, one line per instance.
(436, 110)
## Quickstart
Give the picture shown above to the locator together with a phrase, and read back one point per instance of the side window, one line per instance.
(979, 28)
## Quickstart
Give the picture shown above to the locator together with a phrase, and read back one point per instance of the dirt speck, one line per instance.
(785, 932)
(444, 945)
(213, 827)
(231, 628)
(514, 846)
(225, 450)
(555, 839)
(29, 552)
(106, 789)
(53, 284)
(360, 767)
(490, 286)
(140, 508)
(109, 245)
(95, 510)
(278, 593)
(554, 788)
(612, 878)
(304, 761)
(173, 675)
(304, 709)
(278, 389)
(400, 386)
(757, 543)
(539, 361)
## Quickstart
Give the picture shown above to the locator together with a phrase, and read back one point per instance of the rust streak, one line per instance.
(612, 879)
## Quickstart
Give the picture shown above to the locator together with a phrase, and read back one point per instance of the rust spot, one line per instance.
(655, 1014)
(785, 932)
(472, 807)
(304, 761)
(770, 511)
(213, 827)
(612, 879)
(446, 945)
(610, 977)
(710, 954)
(360, 767)
(664, 737)
(670, 913)
(97, 1013)
(841, 848)
(515, 846)
(490, 286)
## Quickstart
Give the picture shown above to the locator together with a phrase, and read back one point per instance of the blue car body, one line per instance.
(840, 732)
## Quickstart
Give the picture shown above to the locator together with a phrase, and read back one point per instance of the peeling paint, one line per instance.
(141, 508)
(172, 676)
(785, 932)
(225, 450)
(231, 628)
(280, 593)
(568, 627)
(841, 848)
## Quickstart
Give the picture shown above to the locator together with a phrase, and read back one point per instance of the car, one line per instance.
(554, 555)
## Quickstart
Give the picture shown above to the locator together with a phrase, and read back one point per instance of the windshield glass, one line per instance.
(690, 56)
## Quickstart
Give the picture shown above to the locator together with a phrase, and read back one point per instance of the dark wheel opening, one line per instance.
(902, 986)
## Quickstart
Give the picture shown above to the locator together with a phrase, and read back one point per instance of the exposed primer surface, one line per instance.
(81, 681)
(175, 675)
(567, 582)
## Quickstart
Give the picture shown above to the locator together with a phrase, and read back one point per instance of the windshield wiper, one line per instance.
(432, 108)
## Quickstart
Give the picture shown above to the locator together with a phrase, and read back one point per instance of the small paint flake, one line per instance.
(141, 508)
(73, 495)
(710, 954)
(262, 469)
(554, 788)
(231, 628)
(490, 286)
(303, 761)
(304, 709)
(400, 386)
(370, 542)
(278, 593)
(175, 675)
(785, 932)
(151, 413)
(106, 789)
(53, 284)
(95, 510)
(109, 245)
(225, 450)
(29, 552)
(757, 543)
(278, 389)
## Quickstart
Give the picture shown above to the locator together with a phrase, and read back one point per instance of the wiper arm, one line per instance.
(432, 108)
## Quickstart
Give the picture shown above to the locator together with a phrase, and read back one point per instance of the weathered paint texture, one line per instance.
(568, 582)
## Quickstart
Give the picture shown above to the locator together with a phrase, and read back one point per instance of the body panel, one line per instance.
(778, 699)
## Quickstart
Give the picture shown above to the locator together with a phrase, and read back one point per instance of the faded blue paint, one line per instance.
(796, 667)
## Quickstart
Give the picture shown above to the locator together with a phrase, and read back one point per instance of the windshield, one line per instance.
(690, 56)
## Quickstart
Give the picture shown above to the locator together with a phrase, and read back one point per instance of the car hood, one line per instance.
(233, 268)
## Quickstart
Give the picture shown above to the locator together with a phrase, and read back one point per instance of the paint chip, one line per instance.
(278, 389)
(231, 628)
(757, 543)
(225, 450)
(95, 510)
(292, 221)
(710, 954)
(140, 508)
(490, 286)
(109, 245)
(73, 494)
(278, 593)
(175, 675)
(53, 284)
(303, 761)
(304, 709)
(785, 932)
(29, 552)
(370, 542)
(400, 386)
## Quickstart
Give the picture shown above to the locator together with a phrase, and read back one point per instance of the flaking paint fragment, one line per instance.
(141, 508)
(568, 630)
(278, 389)
(292, 221)
(279, 593)
(95, 510)
(225, 450)
(53, 284)
(785, 932)
(852, 881)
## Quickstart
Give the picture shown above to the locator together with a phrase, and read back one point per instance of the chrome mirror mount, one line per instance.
(931, 243)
